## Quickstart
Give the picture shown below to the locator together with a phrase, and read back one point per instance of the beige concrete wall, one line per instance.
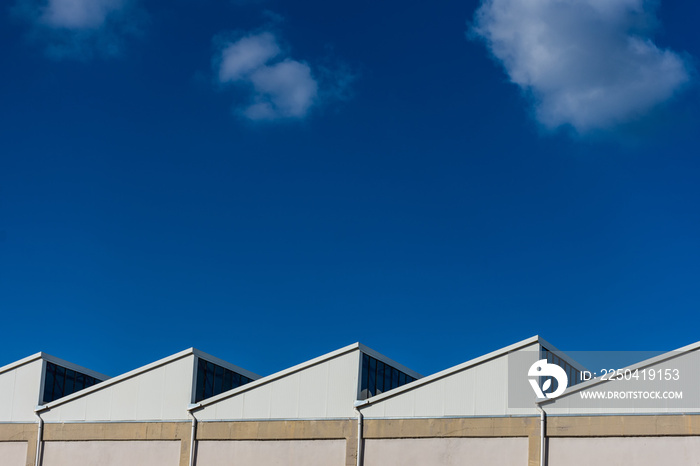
(271, 452)
(13, 453)
(447, 452)
(625, 451)
(112, 453)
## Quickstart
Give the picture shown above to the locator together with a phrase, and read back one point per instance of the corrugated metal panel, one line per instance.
(257, 403)
(99, 405)
(480, 390)
(7, 394)
(26, 388)
(456, 401)
(179, 383)
(399, 406)
(343, 372)
(75, 411)
(124, 395)
(284, 396)
(490, 390)
(232, 409)
(162, 393)
(313, 392)
(324, 390)
(430, 400)
(149, 401)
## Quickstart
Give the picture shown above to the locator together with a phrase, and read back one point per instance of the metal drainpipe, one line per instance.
(39, 435)
(193, 435)
(543, 433)
(360, 455)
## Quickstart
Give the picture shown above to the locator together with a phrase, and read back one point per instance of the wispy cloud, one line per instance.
(590, 64)
(279, 87)
(79, 28)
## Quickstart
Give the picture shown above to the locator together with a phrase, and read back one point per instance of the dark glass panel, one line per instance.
(380, 377)
(402, 378)
(218, 379)
(201, 380)
(364, 378)
(79, 381)
(372, 379)
(59, 382)
(394, 378)
(48, 382)
(387, 377)
(228, 381)
(209, 377)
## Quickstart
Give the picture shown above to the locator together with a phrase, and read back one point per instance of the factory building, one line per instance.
(351, 407)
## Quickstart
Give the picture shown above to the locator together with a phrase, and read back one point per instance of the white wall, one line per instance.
(112, 453)
(627, 451)
(447, 452)
(324, 390)
(13, 453)
(480, 390)
(271, 452)
(162, 393)
(19, 392)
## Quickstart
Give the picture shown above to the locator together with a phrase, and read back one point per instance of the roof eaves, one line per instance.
(226, 364)
(561, 354)
(75, 367)
(391, 362)
(21, 362)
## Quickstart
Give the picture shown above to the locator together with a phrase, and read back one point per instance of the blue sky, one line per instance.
(268, 181)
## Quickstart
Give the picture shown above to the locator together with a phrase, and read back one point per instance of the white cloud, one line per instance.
(279, 86)
(586, 63)
(246, 55)
(78, 14)
(79, 28)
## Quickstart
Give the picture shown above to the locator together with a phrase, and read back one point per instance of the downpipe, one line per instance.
(360, 455)
(543, 433)
(193, 434)
(39, 434)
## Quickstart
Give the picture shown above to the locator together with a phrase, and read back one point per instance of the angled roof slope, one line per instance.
(478, 387)
(322, 388)
(22, 385)
(161, 390)
(675, 371)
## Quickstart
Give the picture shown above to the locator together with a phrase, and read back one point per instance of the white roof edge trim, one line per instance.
(225, 364)
(119, 378)
(562, 355)
(277, 375)
(452, 370)
(55, 360)
(639, 365)
(21, 362)
(391, 362)
(75, 367)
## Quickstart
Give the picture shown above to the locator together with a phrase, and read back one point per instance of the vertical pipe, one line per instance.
(193, 434)
(39, 436)
(543, 434)
(359, 437)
